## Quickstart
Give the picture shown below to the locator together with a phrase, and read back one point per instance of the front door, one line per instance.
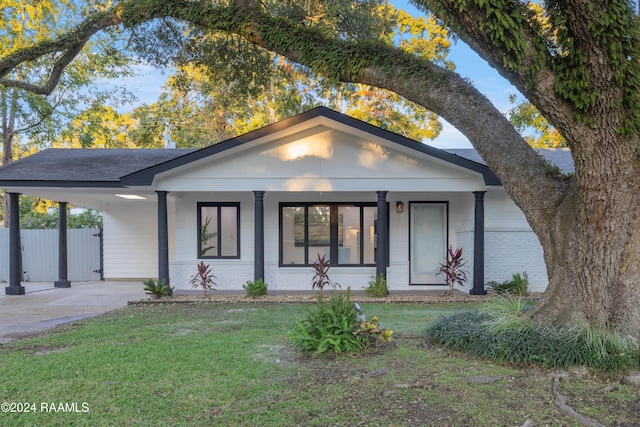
(428, 241)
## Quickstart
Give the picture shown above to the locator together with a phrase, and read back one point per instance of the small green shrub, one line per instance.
(509, 336)
(157, 289)
(371, 334)
(255, 288)
(377, 288)
(330, 327)
(518, 285)
(334, 326)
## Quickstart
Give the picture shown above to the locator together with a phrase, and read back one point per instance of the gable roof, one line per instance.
(146, 176)
(117, 168)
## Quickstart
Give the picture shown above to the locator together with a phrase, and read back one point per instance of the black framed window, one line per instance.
(218, 230)
(341, 232)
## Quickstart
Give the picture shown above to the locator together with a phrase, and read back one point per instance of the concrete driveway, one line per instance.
(43, 306)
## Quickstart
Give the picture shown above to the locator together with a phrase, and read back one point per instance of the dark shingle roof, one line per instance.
(85, 165)
(560, 157)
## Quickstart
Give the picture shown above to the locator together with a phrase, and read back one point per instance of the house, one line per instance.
(266, 204)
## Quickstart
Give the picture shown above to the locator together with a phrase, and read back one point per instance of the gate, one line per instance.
(40, 254)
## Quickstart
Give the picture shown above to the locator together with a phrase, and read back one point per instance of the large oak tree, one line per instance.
(577, 62)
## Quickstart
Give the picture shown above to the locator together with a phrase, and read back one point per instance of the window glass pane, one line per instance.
(349, 234)
(293, 235)
(229, 230)
(368, 231)
(319, 227)
(209, 231)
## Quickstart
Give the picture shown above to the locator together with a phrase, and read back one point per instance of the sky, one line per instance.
(147, 85)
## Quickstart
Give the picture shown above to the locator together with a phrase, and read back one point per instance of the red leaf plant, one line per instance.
(453, 269)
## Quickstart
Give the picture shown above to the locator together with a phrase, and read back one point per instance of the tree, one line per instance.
(579, 67)
(32, 113)
(533, 127)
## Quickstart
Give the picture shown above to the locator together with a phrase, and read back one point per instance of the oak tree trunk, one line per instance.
(592, 242)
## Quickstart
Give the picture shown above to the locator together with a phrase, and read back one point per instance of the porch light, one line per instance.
(131, 196)
(399, 207)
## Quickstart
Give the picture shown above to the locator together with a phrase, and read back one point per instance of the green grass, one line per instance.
(216, 364)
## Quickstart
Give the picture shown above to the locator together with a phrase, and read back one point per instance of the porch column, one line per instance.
(478, 246)
(62, 281)
(163, 238)
(258, 255)
(15, 247)
(382, 238)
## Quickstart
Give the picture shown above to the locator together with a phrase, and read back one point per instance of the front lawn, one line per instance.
(231, 364)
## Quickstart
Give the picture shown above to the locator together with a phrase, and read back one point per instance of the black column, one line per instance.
(15, 247)
(258, 255)
(62, 281)
(163, 238)
(382, 238)
(478, 246)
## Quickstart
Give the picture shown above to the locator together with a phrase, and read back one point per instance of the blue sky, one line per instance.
(147, 85)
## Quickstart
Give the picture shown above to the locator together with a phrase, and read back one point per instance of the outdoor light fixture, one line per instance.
(399, 207)
(131, 196)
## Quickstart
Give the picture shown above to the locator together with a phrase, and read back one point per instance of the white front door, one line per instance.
(428, 241)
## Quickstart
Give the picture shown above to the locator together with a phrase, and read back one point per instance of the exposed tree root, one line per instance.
(561, 402)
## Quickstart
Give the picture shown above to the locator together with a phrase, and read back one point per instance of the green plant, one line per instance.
(518, 285)
(157, 289)
(510, 336)
(377, 287)
(371, 334)
(255, 288)
(321, 277)
(330, 327)
(452, 269)
(203, 278)
(205, 236)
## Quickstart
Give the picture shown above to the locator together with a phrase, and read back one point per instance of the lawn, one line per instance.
(231, 364)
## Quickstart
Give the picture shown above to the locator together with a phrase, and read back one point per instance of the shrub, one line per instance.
(203, 278)
(334, 326)
(518, 285)
(330, 327)
(510, 336)
(321, 278)
(371, 334)
(453, 269)
(157, 289)
(377, 288)
(255, 288)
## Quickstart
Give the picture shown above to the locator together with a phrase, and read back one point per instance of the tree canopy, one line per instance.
(576, 61)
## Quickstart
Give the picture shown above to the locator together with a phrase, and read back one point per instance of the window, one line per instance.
(343, 233)
(218, 230)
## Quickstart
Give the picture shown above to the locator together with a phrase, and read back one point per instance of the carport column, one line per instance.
(478, 246)
(15, 247)
(163, 238)
(258, 256)
(62, 281)
(381, 235)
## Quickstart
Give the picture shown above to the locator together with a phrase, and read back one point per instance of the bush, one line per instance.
(335, 326)
(377, 288)
(157, 289)
(518, 285)
(255, 288)
(508, 336)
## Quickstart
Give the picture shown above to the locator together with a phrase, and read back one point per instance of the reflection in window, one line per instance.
(342, 233)
(219, 230)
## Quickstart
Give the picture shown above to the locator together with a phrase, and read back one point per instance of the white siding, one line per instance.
(232, 274)
(131, 239)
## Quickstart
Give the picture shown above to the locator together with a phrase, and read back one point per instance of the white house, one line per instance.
(267, 203)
